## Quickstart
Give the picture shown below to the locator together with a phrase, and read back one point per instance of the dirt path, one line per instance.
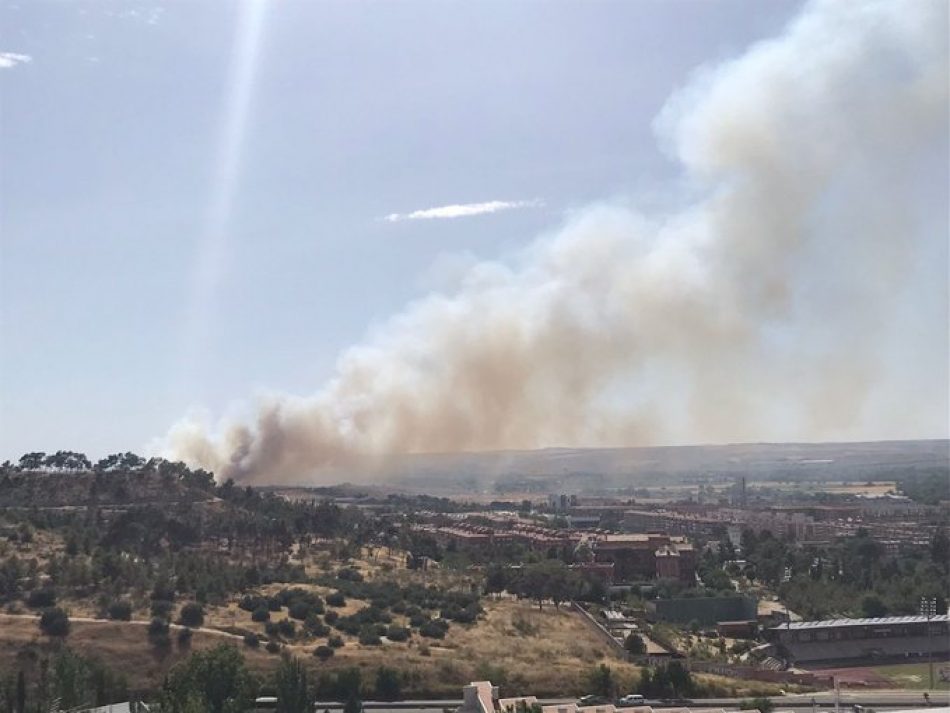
(133, 622)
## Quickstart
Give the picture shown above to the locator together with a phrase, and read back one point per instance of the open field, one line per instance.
(916, 675)
(912, 676)
(123, 646)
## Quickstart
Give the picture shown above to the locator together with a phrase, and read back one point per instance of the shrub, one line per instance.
(763, 705)
(261, 614)
(323, 652)
(336, 599)
(335, 642)
(434, 629)
(158, 633)
(163, 590)
(252, 602)
(397, 633)
(331, 616)
(315, 627)
(120, 611)
(161, 608)
(298, 609)
(350, 575)
(418, 620)
(635, 645)
(41, 598)
(274, 604)
(285, 627)
(54, 622)
(272, 647)
(388, 685)
(369, 637)
(184, 638)
(192, 614)
(252, 640)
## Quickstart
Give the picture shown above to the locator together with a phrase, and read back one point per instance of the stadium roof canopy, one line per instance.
(879, 621)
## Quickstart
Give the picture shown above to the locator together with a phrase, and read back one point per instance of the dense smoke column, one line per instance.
(763, 310)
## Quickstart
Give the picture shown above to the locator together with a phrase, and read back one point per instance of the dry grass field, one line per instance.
(123, 646)
(544, 653)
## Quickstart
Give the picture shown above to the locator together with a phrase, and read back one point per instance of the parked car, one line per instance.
(631, 699)
(591, 700)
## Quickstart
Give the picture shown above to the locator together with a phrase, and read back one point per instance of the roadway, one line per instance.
(825, 700)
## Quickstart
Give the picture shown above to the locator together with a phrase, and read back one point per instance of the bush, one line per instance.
(184, 638)
(315, 627)
(369, 637)
(252, 640)
(635, 645)
(285, 627)
(434, 629)
(41, 598)
(397, 633)
(252, 602)
(158, 633)
(336, 599)
(335, 642)
(161, 608)
(763, 705)
(350, 575)
(272, 647)
(192, 614)
(298, 609)
(331, 616)
(54, 622)
(323, 652)
(388, 685)
(120, 611)
(418, 620)
(274, 604)
(261, 614)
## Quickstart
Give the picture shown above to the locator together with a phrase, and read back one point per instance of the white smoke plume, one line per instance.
(767, 308)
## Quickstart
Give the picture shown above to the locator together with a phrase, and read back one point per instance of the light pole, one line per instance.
(928, 609)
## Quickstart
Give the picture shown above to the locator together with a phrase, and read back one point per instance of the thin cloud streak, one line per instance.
(12, 59)
(462, 210)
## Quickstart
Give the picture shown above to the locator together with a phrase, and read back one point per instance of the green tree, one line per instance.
(54, 622)
(192, 614)
(872, 606)
(70, 677)
(293, 691)
(635, 645)
(217, 679)
(388, 686)
(763, 705)
(601, 681)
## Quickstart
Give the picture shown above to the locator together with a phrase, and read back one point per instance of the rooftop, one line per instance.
(879, 621)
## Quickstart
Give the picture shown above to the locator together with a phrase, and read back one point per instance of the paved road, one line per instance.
(878, 700)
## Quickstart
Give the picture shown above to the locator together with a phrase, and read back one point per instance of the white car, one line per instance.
(631, 699)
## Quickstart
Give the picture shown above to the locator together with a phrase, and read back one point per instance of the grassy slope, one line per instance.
(551, 662)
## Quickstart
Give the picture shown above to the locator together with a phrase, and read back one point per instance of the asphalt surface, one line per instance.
(878, 700)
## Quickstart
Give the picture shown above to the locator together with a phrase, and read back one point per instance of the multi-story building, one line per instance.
(646, 556)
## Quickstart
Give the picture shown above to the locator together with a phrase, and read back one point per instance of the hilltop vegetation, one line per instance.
(68, 479)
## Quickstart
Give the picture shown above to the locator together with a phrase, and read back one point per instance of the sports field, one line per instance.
(917, 675)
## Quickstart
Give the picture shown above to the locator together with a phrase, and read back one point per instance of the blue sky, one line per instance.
(111, 153)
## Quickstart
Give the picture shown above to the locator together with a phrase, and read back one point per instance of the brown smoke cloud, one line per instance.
(758, 311)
